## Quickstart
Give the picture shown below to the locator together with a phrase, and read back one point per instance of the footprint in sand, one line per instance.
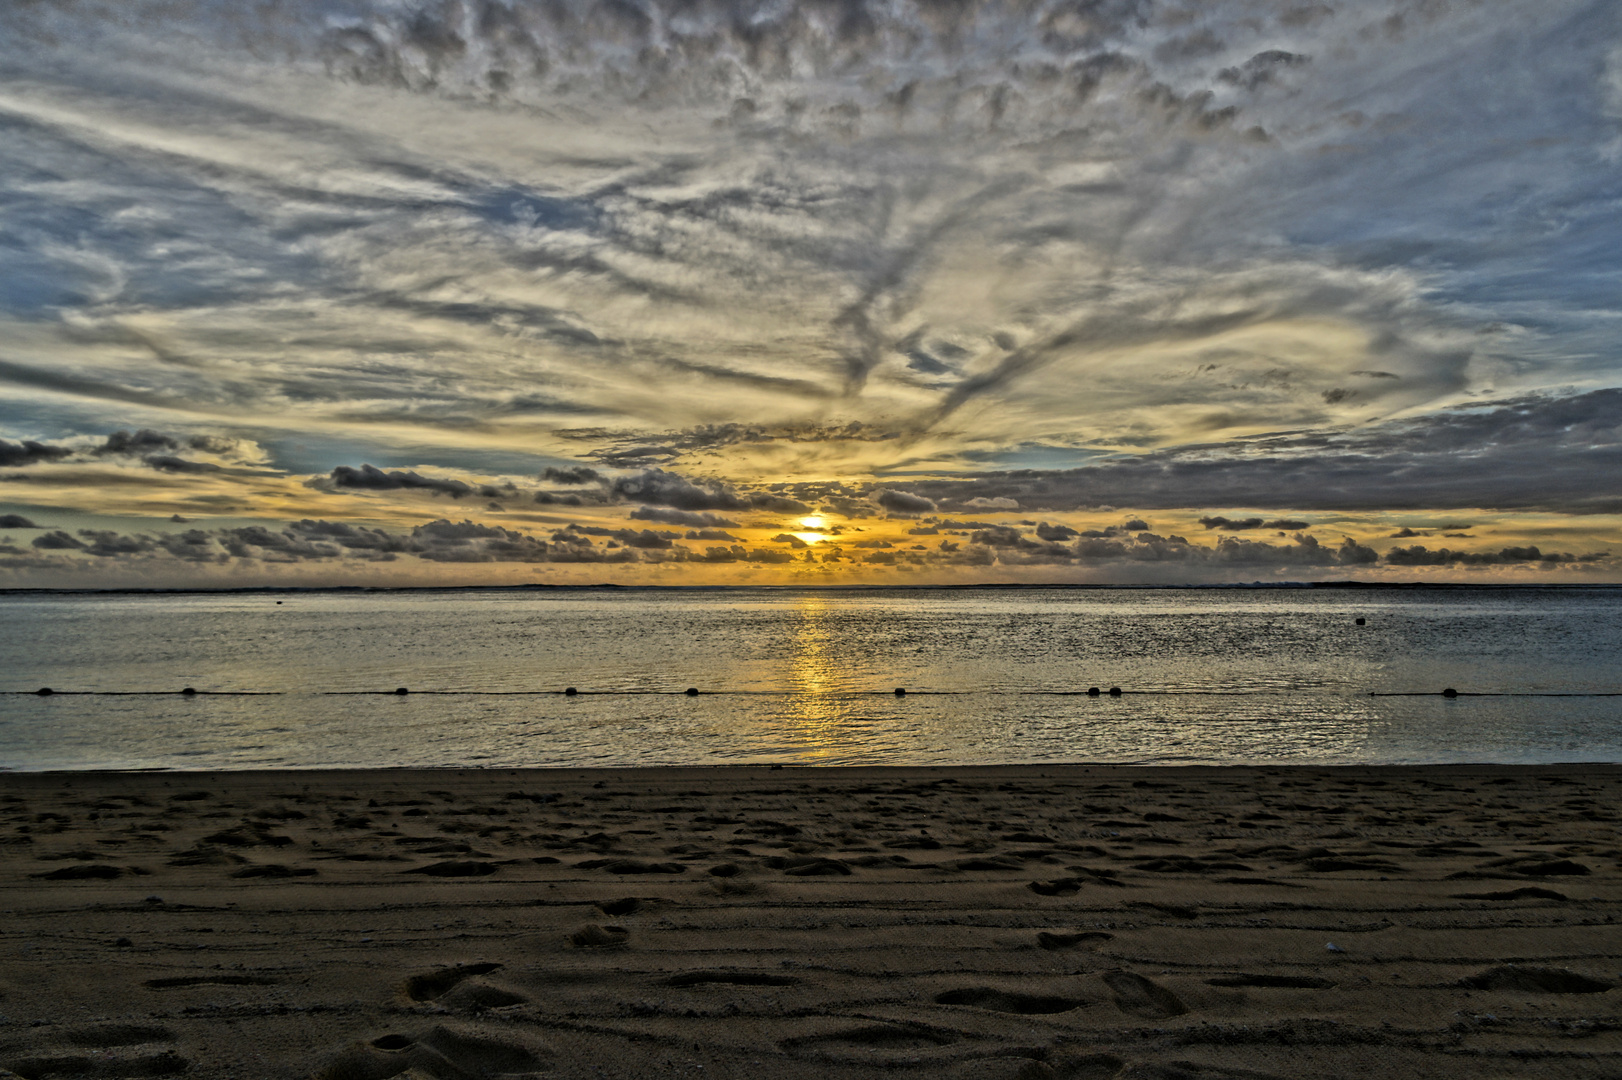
(1001, 1069)
(625, 905)
(1187, 1070)
(181, 982)
(461, 987)
(441, 1053)
(869, 1044)
(1283, 982)
(274, 870)
(1536, 980)
(113, 1050)
(1082, 1067)
(1531, 893)
(983, 997)
(1052, 942)
(1137, 996)
(592, 936)
(82, 872)
(730, 978)
(454, 868)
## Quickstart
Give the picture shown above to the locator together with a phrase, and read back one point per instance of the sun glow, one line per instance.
(814, 522)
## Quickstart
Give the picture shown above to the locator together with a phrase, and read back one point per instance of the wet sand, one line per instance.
(985, 923)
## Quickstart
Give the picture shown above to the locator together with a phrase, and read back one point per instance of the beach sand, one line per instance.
(985, 923)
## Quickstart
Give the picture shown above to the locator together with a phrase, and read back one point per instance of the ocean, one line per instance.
(306, 679)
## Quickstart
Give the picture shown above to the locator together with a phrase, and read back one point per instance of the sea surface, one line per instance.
(306, 679)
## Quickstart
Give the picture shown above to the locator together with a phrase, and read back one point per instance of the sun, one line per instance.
(813, 521)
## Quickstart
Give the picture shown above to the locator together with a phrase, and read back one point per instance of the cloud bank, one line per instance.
(712, 265)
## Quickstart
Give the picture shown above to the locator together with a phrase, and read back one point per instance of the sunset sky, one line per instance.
(408, 292)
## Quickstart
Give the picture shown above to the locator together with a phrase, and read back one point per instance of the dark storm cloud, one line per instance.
(17, 521)
(1560, 455)
(28, 452)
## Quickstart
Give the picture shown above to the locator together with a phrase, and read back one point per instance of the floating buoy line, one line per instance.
(693, 691)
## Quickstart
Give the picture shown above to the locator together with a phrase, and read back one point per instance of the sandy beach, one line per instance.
(1031, 922)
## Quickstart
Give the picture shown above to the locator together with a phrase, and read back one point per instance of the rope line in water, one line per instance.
(899, 692)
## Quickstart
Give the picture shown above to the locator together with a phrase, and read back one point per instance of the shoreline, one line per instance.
(814, 769)
(1026, 922)
(541, 586)
(805, 768)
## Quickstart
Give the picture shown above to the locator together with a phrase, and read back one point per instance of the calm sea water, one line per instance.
(808, 676)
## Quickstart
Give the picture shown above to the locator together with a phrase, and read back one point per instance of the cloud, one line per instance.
(574, 474)
(661, 488)
(902, 503)
(170, 463)
(16, 521)
(57, 540)
(28, 452)
(1242, 524)
(694, 519)
(1038, 257)
(136, 444)
(1419, 555)
(1535, 453)
(646, 539)
(371, 478)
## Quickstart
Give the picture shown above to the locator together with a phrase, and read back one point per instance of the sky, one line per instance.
(682, 292)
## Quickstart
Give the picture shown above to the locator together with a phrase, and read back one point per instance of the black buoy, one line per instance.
(188, 692)
(1362, 622)
(901, 691)
(692, 691)
(278, 601)
(1115, 691)
(1450, 692)
(401, 690)
(570, 691)
(45, 691)
(1093, 691)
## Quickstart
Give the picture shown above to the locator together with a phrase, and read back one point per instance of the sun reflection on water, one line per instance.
(816, 715)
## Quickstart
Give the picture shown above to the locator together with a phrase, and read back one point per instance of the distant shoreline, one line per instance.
(1250, 586)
